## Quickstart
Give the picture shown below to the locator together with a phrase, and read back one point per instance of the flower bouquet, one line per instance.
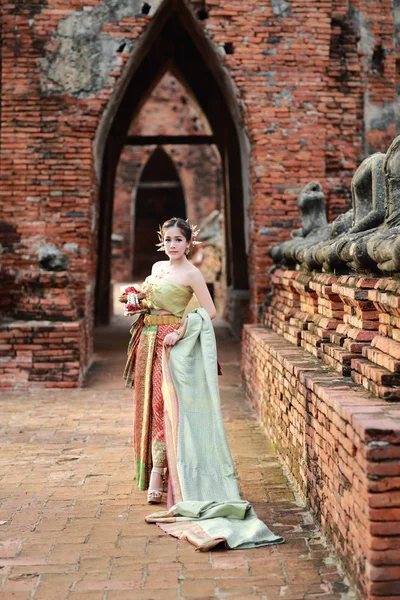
(133, 300)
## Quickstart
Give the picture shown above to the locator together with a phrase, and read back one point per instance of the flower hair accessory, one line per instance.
(193, 242)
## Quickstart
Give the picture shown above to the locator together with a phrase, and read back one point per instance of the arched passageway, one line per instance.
(174, 41)
(185, 161)
(159, 195)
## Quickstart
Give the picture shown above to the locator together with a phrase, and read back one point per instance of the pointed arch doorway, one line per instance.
(158, 196)
(175, 41)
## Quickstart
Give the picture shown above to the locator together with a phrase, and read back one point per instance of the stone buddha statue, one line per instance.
(383, 247)
(365, 238)
(314, 225)
(368, 211)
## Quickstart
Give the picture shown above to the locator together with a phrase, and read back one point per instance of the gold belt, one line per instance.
(161, 320)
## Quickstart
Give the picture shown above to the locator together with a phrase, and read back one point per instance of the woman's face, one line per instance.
(175, 243)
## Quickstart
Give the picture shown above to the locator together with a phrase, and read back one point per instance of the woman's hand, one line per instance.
(171, 338)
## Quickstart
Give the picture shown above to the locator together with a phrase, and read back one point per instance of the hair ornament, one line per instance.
(195, 233)
(161, 247)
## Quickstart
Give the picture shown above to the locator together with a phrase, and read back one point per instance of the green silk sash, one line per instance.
(207, 508)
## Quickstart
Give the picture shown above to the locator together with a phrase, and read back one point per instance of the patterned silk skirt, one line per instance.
(148, 422)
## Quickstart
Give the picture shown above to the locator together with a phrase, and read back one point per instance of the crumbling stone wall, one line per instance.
(63, 66)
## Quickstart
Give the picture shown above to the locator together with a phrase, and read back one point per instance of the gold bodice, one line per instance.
(164, 294)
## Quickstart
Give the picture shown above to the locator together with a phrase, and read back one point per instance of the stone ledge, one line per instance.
(341, 322)
(342, 447)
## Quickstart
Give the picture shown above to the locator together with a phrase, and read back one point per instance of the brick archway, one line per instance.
(158, 196)
(175, 41)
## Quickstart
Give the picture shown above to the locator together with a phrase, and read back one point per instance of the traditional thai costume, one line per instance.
(144, 370)
(177, 414)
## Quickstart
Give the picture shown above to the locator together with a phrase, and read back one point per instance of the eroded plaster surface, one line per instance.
(84, 56)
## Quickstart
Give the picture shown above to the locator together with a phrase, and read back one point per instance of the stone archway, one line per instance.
(175, 41)
(159, 195)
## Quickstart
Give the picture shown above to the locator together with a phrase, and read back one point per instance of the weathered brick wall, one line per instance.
(168, 111)
(343, 147)
(42, 354)
(324, 383)
(62, 65)
(123, 211)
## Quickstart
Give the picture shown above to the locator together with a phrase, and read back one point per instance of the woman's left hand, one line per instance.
(171, 338)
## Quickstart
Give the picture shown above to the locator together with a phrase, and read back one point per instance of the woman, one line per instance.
(168, 291)
(176, 407)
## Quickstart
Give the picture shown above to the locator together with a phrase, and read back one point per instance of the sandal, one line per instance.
(154, 495)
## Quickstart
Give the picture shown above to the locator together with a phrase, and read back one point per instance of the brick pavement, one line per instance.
(71, 518)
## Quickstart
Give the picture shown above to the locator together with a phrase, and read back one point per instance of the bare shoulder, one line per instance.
(194, 274)
(158, 266)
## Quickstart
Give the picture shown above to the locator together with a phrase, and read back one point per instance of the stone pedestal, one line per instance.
(324, 383)
(285, 304)
(358, 325)
(341, 446)
(379, 368)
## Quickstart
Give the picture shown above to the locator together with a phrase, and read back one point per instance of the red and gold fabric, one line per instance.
(148, 420)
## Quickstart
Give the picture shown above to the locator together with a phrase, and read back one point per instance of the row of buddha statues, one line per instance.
(365, 239)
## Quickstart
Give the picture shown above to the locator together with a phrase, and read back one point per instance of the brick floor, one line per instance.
(71, 518)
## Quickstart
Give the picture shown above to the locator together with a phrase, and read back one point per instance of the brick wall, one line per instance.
(63, 68)
(42, 354)
(324, 382)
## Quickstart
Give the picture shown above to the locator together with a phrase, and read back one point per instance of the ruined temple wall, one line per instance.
(280, 65)
(61, 63)
(324, 378)
(362, 94)
(343, 149)
(377, 46)
(310, 125)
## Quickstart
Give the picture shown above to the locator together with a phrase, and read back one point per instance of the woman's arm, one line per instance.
(200, 290)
